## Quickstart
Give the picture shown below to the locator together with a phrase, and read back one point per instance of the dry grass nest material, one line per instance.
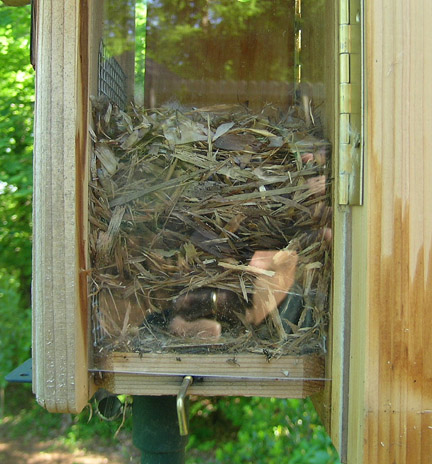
(180, 200)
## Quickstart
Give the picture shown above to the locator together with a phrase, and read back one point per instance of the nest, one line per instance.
(183, 205)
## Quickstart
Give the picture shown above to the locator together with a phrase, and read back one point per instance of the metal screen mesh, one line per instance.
(111, 79)
(112, 84)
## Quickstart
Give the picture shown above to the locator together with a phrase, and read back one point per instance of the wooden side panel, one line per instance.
(59, 311)
(391, 394)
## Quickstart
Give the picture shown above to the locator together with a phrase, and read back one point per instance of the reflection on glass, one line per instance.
(209, 195)
(212, 51)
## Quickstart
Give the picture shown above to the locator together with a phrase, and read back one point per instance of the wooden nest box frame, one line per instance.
(372, 385)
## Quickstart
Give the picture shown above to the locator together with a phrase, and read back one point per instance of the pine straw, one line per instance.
(180, 201)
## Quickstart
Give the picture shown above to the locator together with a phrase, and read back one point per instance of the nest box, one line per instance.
(222, 192)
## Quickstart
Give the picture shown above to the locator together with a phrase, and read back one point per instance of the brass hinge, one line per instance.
(350, 166)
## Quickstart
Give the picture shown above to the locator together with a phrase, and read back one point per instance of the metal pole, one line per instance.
(156, 430)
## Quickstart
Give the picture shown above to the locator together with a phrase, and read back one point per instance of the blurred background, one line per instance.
(223, 430)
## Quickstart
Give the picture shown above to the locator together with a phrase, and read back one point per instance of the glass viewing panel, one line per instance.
(209, 196)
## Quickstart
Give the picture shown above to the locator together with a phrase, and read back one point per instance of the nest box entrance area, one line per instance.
(184, 213)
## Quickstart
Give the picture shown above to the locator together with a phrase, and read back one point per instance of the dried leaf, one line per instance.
(243, 288)
(262, 132)
(222, 129)
(190, 252)
(276, 142)
(316, 265)
(164, 253)
(248, 269)
(185, 131)
(139, 192)
(135, 137)
(204, 163)
(106, 240)
(107, 158)
(237, 142)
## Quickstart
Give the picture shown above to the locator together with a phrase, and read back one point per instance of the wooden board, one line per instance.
(390, 418)
(214, 374)
(60, 329)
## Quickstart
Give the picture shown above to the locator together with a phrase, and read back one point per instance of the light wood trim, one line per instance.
(390, 417)
(126, 373)
(59, 310)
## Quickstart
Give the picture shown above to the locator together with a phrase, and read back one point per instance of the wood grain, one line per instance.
(391, 386)
(215, 374)
(59, 314)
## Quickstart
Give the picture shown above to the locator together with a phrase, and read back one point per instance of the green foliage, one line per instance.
(27, 421)
(16, 141)
(84, 428)
(259, 430)
(24, 418)
(223, 431)
(15, 327)
(16, 127)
